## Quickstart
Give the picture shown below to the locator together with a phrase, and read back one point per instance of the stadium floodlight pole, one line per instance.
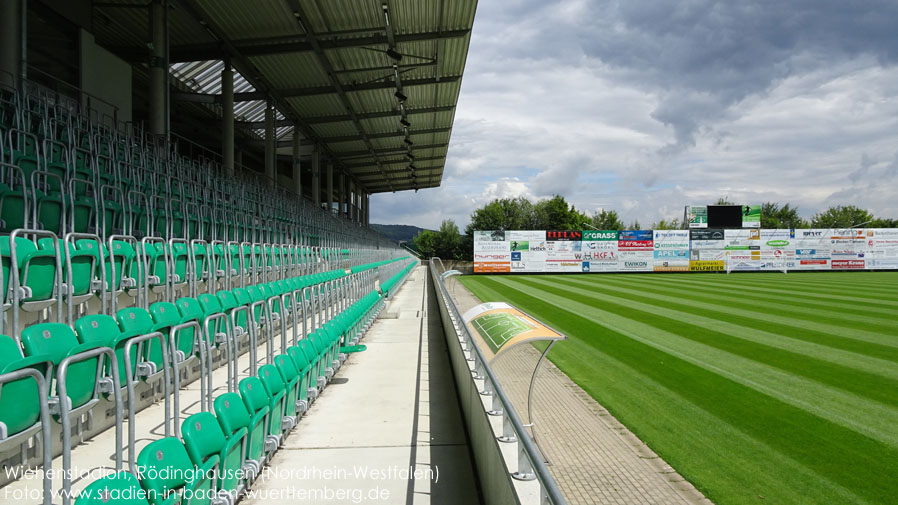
(861, 224)
(590, 226)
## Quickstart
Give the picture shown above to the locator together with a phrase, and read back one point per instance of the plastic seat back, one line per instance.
(103, 330)
(165, 465)
(19, 399)
(57, 341)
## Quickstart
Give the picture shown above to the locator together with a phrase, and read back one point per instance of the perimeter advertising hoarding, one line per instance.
(528, 250)
(849, 248)
(635, 251)
(812, 249)
(882, 246)
(492, 252)
(777, 249)
(743, 249)
(600, 253)
(697, 216)
(751, 216)
(671, 250)
(564, 255)
(707, 245)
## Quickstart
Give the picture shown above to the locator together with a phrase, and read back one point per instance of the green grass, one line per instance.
(758, 388)
(496, 329)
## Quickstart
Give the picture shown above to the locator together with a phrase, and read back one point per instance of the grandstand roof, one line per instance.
(373, 82)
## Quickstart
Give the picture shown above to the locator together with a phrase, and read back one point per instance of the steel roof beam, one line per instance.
(325, 63)
(311, 91)
(387, 150)
(290, 44)
(402, 171)
(385, 135)
(402, 161)
(377, 115)
(249, 71)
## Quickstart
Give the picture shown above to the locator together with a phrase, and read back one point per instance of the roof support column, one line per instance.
(227, 119)
(11, 40)
(270, 153)
(350, 186)
(330, 187)
(367, 209)
(158, 119)
(297, 167)
(341, 200)
(316, 178)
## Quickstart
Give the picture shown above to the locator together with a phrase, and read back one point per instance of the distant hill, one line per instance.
(397, 232)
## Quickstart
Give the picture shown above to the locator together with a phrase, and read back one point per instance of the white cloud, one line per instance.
(645, 110)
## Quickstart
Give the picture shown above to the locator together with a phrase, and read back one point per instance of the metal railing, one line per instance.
(530, 462)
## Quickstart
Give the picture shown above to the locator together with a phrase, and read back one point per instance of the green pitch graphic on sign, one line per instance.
(698, 216)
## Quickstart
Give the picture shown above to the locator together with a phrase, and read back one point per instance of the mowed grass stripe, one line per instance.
(714, 283)
(872, 418)
(815, 333)
(654, 412)
(879, 322)
(797, 433)
(746, 282)
(878, 283)
(703, 330)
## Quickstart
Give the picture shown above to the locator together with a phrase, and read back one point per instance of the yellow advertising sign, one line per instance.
(707, 266)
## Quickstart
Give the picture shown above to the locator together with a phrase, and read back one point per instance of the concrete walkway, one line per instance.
(594, 458)
(387, 429)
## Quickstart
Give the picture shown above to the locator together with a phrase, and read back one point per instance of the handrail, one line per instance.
(529, 454)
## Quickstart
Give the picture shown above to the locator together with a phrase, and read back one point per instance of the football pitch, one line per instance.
(758, 388)
(496, 329)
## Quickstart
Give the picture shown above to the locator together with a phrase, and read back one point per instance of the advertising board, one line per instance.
(671, 250)
(600, 252)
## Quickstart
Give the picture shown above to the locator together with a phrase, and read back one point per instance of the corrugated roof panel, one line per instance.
(414, 16)
(340, 129)
(320, 105)
(355, 145)
(342, 15)
(252, 19)
(292, 70)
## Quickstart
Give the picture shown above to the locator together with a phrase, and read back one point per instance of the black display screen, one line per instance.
(724, 216)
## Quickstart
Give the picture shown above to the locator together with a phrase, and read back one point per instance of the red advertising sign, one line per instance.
(848, 264)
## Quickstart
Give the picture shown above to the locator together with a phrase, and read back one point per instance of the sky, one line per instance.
(645, 106)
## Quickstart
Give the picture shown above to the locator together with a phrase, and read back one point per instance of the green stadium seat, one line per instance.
(103, 330)
(57, 341)
(280, 421)
(258, 404)
(237, 423)
(204, 439)
(165, 466)
(19, 398)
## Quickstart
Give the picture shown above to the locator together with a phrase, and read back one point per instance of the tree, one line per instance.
(503, 214)
(635, 225)
(607, 220)
(840, 216)
(425, 242)
(673, 224)
(724, 200)
(883, 222)
(774, 216)
(556, 214)
(445, 243)
(448, 240)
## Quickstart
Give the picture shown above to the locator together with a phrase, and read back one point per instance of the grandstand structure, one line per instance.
(186, 264)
